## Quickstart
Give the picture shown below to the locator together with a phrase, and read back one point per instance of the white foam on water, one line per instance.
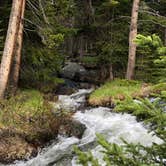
(113, 126)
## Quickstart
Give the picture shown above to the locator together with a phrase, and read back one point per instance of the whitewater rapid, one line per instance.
(114, 127)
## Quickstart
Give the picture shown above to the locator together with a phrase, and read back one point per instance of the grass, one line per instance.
(30, 115)
(116, 90)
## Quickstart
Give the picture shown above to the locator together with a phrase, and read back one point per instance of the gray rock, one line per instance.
(70, 70)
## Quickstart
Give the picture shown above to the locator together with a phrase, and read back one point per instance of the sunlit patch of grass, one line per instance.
(114, 90)
(30, 115)
(118, 89)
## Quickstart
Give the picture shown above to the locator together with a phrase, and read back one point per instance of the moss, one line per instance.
(114, 90)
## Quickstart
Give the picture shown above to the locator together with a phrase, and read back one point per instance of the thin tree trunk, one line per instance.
(17, 53)
(9, 45)
(111, 76)
(132, 36)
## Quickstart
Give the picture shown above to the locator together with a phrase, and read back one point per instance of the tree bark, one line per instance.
(9, 45)
(17, 52)
(111, 76)
(132, 36)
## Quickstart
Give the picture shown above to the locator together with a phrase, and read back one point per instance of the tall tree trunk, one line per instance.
(9, 45)
(17, 52)
(132, 36)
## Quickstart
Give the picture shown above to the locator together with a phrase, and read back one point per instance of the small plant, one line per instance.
(125, 155)
(144, 109)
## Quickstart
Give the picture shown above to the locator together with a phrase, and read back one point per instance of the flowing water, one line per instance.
(113, 126)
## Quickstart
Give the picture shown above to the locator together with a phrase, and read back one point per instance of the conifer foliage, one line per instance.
(155, 59)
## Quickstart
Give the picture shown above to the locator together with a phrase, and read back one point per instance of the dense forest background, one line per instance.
(94, 33)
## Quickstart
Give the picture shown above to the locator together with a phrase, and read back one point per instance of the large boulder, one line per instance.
(70, 69)
(78, 73)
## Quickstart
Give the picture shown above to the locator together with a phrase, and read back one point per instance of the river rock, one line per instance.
(72, 127)
(71, 69)
(79, 73)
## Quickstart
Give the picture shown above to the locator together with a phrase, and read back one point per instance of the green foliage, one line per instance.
(40, 67)
(114, 90)
(29, 115)
(26, 103)
(154, 63)
(90, 60)
(125, 155)
(144, 109)
(43, 52)
(109, 3)
(153, 41)
(86, 158)
(158, 88)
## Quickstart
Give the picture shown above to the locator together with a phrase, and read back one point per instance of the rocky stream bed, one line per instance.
(113, 126)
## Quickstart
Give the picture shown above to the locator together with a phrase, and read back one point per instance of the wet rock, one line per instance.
(72, 127)
(79, 73)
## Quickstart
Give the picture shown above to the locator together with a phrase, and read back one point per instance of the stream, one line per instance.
(113, 126)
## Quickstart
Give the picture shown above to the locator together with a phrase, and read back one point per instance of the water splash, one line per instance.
(113, 126)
